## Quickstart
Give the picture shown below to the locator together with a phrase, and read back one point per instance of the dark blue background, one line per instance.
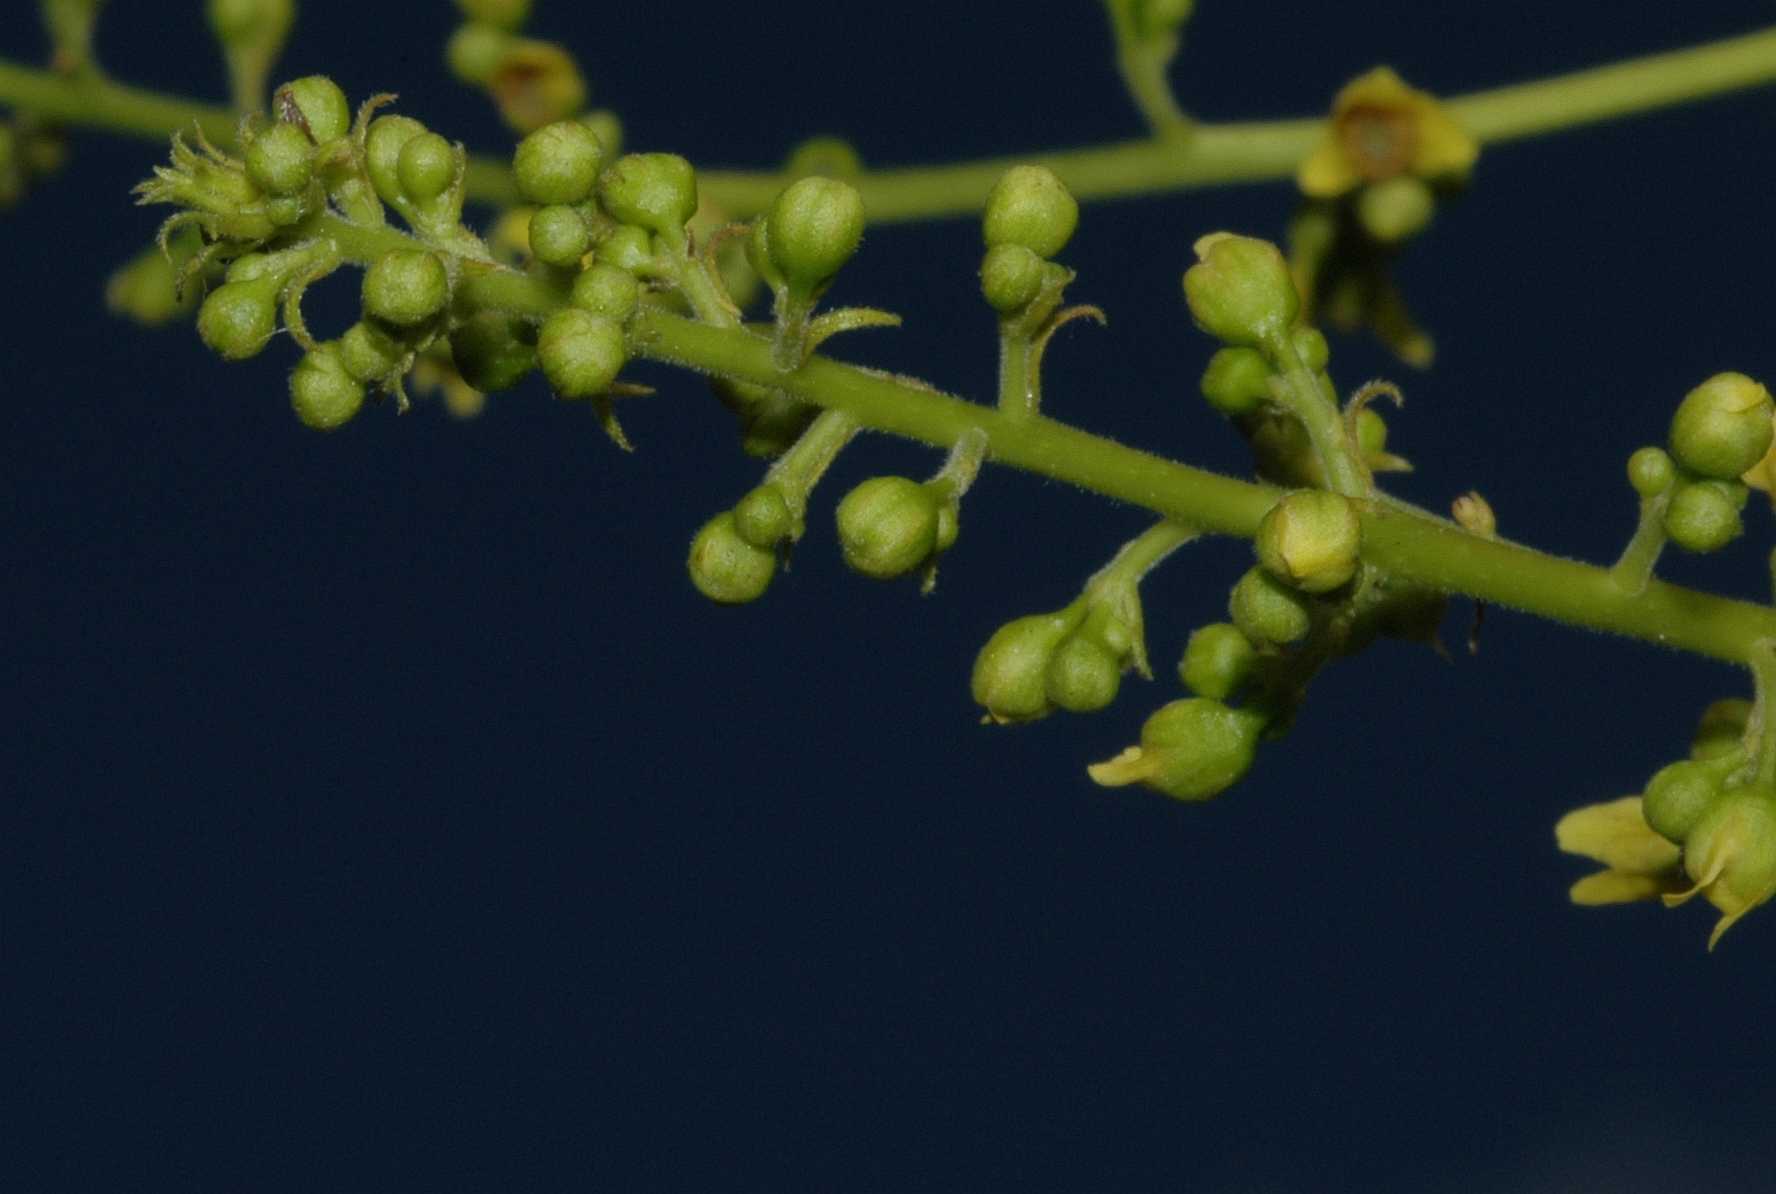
(386, 811)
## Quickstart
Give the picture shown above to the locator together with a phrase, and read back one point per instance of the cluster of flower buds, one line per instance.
(1722, 431)
(1705, 825)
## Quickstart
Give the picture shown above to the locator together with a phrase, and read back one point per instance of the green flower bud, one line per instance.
(494, 352)
(1010, 677)
(1372, 433)
(145, 288)
(280, 160)
(406, 287)
(502, 14)
(1677, 797)
(1011, 276)
(1722, 427)
(316, 104)
(559, 236)
(386, 137)
(1217, 661)
(369, 353)
(1237, 381)
(816, 225)
(606, 290)
(1030, 206)
(237, 21)
(1309, 540)
(725, 567)
(1703, 516)
(1731, 854)
(1190, 750)
(581, 353)
(888, 526)
(322, 393)
(426, 167)
(285, 210)
(828, 157)
(558, 163)
(1396, 208)
(656, 191)
(1266, 610)
(627, 249)
(1083, 675)
(607, 127)
(1651, 471)
(1239, 290)
(1310, 345)
(238, 319)
(475, 51)
(763, 517)
(1721, 729)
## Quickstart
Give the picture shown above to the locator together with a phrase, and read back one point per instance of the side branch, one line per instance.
(1415, 547)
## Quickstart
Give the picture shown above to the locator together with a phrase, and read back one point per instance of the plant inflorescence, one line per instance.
(577, 256)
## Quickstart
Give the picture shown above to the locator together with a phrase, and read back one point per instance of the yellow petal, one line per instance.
(1378, 87)
(1616, 835)
(1130, 767)
(1327, 172)
(1445, 148)
(1616, 887)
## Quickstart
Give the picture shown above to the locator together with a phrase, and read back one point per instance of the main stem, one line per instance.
(1213, 153)
(1417, 548)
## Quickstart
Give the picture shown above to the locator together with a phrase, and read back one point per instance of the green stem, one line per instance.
(1763, 672)
(1415, 548)
(1213, 154)
(1018, 389)
(798, 470)
(1298, 391)
(1641, 556)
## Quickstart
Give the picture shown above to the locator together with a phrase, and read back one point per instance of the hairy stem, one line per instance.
(1216, 153)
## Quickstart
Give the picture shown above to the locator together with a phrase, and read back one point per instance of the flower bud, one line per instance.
(1267, 611)
(406, 287)
(763, 517)
(655, 191)
(280, 160)
(1217, 661)
(237, 21)
(626, 248)
(1721, 729)
(725, 567)
(1677, 797)
(1160, 18)
(494, 351)
(816, 225)
(1010, 677)
(1083, 674)
(559, 236)
(238, 319)
(317, 105)
(1239, 290)
(1396, 208)
(1722, 427)
(369, 353)
(1372, 433)
(558, 163)
(1309, 540)
(581, 353)
(1731, 855)
(475, 51)
(502, 14)
(1190, 750)
(1703, 516)
(146, 287)
(828, 157)
(1030, 206)
(1011, 276)
(606, 290)
(535, 84)
(1310, 345)
(323, 395)
(426, 167)
(1237, 381)
(384, 140)
(1651, 471)
(888, 526)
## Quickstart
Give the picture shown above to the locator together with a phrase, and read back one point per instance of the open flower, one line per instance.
(1381, 129)
(1639, 864)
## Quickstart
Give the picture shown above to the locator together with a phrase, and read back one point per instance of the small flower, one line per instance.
(1731, 855)
(1381, 129)
(1639, 863)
